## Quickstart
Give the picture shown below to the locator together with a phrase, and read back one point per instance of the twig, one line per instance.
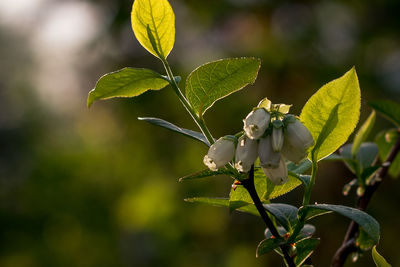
(348, 246)
(250, 187)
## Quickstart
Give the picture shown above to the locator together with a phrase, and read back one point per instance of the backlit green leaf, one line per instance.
(305, 179)
(283, 108)
(239, 196)
(378, 259)
(218, 79)
(363, 133)
(389, 109)
(153, 22)
(128, 82)
(265, 103)
(332, 113)
(274, 191)
(300, 168)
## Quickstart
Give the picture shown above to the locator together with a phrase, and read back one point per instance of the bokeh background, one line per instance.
(97, 187)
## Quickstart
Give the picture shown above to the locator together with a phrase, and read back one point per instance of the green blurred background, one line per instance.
(97, 187)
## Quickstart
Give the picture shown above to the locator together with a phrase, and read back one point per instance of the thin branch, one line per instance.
(348, 246)
(250, 187)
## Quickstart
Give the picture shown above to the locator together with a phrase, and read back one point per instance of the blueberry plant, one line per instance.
(275, 151)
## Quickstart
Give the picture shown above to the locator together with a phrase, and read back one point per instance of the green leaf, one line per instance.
(305, 248)
(222, 202)
(368, 172)
(189, 133)
(283, 108)
(153, 22)
(332, 113)
(218, 79)
(307, 231)
(285, 214)
(364, 241)
(389, 109)
(128, 82)
(268, 245)
(203, 174)
(366, 156)
(300, 168)
(240, 197)
(282, 232)
(363, 133)
(366, 222)
(265, 188)
(345, 153)
(385, 141)
(305, 179)
(333, 157)
(311, 213)
(378, 259)
(274, 191)
(265, 103)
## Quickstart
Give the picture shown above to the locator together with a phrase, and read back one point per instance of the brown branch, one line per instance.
(349, 245)
(250, 187)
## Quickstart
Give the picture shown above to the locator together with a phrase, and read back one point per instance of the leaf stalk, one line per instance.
(197, 119)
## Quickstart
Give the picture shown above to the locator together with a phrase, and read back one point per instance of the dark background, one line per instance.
(97, 187)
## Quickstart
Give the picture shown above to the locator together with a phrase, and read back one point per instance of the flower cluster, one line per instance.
(270, 134)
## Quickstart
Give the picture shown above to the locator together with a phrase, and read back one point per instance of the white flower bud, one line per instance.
(278, 175)
(246, 153)
(277, 139)
(220, 153)
(268, 158)
(296, 142)
(256, 123)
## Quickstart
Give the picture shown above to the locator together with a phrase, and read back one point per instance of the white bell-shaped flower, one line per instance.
(297, 141)
(277, 139)
(268, 158)
(220, 153)
(246, 153)
(278, 176)
(256, 123)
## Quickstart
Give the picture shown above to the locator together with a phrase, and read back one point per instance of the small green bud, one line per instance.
(292, 250)
(360, 191)
(354, 256)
